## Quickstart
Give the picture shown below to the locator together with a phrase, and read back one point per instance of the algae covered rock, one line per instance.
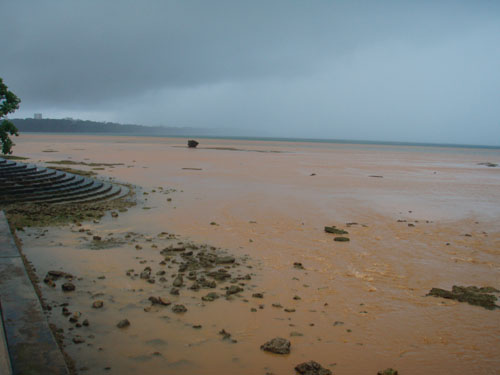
(179, 309)
(68, 287)
(312, 368)
(212, 296)
(277, 345)
(388, 371)
(333, 229)
(341, 239)
(233, 289)
(471, 294)
(123, 323)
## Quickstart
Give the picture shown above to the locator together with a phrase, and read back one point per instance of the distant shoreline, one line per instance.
(85, 127)
(271, 139)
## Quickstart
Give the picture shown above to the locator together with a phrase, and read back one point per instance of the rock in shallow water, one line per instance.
(225, 259)
(178, 281)
(68, 287)
(277, 345)
(341, 239)
(388, 371)
(470, 294)
(333, 229)
(210, 297)
(123, 323)
(179, 309)
(233, 289)
(312, 368)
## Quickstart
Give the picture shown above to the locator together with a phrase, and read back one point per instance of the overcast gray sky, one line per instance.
(423, 71)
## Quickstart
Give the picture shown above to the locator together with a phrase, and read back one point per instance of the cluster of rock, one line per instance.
(198, 267)
(473, 295)
(340, 232)
(279, 345)
(52, 276)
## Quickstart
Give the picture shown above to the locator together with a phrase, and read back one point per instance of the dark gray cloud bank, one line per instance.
(378, 70)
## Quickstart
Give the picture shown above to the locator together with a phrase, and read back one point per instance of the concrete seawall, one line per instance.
(30, 346)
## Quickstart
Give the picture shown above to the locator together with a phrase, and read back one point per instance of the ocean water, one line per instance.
(480, 150)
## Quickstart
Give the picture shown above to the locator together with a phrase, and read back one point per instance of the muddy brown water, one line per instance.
(269, 207)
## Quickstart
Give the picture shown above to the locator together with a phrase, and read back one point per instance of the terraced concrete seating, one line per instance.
(21, 182)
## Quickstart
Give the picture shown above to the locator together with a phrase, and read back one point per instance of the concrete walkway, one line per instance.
(4, 353)
(30, 345)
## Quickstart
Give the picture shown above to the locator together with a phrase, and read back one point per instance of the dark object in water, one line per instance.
(470, 294)
(341, 239)
(388, 371)
(312, 368)
(192, 143)
(277, 345)
(488, 164)
(333, 229)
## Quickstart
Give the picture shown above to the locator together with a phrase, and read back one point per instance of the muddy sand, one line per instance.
(226, 249)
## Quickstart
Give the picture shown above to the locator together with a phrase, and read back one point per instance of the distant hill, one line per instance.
(84, 126)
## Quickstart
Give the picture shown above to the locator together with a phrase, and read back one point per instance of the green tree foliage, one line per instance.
(9, 102)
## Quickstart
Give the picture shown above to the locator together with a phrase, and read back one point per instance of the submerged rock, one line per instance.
(210, 297)
(159, 301)
(341, 239)
(388, 371)
(312, 368)
(489, 164)
(78, 340)
(227, 336)
(57, 274)
(68, 287)
(298, 265)
(233, 289)
(123, 323)
(178, 281)
(146, 273)
(225, 259)
(470, 294)
(277, 345)
(179, 309)
(333, 229)
(220, 275)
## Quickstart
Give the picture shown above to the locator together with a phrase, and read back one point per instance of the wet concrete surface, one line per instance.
(31, 346)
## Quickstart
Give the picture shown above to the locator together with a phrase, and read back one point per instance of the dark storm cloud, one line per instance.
(310, 67)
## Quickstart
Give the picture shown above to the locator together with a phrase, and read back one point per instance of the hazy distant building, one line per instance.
(38, 116)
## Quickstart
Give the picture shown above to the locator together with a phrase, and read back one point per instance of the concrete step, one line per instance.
(28, 172)
(92, 193)
(39, 185)
(42, 196)
(9, 168)
(28, 169)
(117, 191)
(20, 182)
(49, 173)
(63, 183)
